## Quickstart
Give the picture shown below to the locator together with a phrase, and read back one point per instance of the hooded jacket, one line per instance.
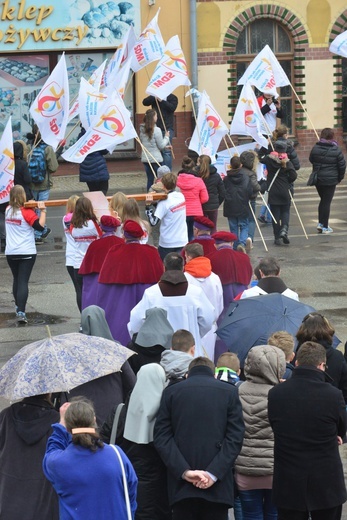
(279, 194)
(175, 363)
(94, 167)
(264, 367)
(239, 190)
(195, 193)
(24, 490)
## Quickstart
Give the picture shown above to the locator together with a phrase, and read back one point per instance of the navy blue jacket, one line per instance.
(94, 167)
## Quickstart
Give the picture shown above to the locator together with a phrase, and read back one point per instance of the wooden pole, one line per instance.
(147, 152)
(256, 223)
(267, 207)
(304, 109)
(233, 144)
(63, 202)
(297, 212)
(226, 144)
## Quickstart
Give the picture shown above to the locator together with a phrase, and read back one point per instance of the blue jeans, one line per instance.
(239, 226)
(166, 153)
(149, 173)
(40, 195)
(264, 212)
(257, 505)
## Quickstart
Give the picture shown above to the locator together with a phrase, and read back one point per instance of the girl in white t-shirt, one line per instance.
(20, 249)
(131, 211)
(84, 230)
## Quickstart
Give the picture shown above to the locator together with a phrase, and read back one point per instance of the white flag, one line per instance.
(339, 45)
(120, 80)
(171, 71)
(90, 102)
(149, 46)
(6, 163)
(97, 76)
(113, 127)
(248, 119)
(50, 110)
(120, 58)
(209, 129)
(265, 73)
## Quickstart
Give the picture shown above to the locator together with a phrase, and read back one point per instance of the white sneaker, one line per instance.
(249, 245)
(327, 230)
(21, 318)
(319, 228)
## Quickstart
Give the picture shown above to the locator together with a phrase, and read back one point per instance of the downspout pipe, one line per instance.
(194, 49)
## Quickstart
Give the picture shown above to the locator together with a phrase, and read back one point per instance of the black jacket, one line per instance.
(279, 192)
(306, 415)
(200, 426)
(167, 109)
(238, 191)
(328, 161)
(24, 491)
(216, 190)
(21, 170)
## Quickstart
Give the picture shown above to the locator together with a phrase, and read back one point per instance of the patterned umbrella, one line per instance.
(60, 363)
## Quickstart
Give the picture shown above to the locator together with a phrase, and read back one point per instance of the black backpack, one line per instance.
(37, 164)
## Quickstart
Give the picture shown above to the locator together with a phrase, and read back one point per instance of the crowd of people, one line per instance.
(183, 431)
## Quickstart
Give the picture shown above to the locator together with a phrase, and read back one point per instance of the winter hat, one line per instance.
(280, 146)
(203, 223)
(108, 223)
(18, 150)
(132, 229)
(162, 170)
(224, 236)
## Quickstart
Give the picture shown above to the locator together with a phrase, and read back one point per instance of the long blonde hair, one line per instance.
(17, 197)
(204, 166)
(71, 203)
(131, 211)
(116, 204)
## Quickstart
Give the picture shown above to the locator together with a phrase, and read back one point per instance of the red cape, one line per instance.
(231, 266)
(96, 254)
(132, 263)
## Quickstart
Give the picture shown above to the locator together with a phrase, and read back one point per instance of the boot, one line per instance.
(284, 234)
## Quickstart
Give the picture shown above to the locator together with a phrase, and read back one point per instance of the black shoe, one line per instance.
(262, 219)
(284, 235)
(38, 241)
(285, 239)
(46, 233)
(277, 242)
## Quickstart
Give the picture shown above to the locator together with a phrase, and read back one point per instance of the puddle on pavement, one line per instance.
(8, 320)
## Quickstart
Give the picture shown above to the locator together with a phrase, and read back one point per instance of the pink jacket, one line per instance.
(195, 193)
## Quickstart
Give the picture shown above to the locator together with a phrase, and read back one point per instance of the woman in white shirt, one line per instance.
(20, 249)
(84, 230)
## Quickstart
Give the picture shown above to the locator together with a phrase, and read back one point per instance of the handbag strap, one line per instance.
(115, 423)
(125, 483)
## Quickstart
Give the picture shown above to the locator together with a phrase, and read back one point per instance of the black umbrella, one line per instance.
(251, 321)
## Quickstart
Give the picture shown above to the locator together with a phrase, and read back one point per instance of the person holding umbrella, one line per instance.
(92, 480)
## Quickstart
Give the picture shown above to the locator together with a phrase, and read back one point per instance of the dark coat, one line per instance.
(238, 191)
(336, 370)
(279, 192)
(200, 426)
(291, 152)
(94, 166)
(306, 415)
(21, 170)
(24, 491)
(167, 109)
(216, 190)
(144, 356)
(328, 161)
(106, 392)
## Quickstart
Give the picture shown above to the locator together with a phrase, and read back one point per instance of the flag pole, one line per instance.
(304, 109)
(35, 144)
(226, 144)
(267, 207)
(145, 151)
(297, 212)
(233, 144)
(256, 223)
(161, 115)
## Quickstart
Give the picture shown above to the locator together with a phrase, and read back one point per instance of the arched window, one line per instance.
(252, 40)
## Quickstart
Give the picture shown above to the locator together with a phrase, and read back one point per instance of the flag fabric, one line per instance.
(265, 73)
(148, 47)
(74, 111)
(90, 101)
(112, 127)
(209, 129)
(50, 110)
(97, 76)
(119, 58)
(339, 45)
(248, 119)
(6, 163)
(120, 81)
(171, 71)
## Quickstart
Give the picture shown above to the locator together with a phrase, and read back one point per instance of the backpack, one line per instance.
(37, 164)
